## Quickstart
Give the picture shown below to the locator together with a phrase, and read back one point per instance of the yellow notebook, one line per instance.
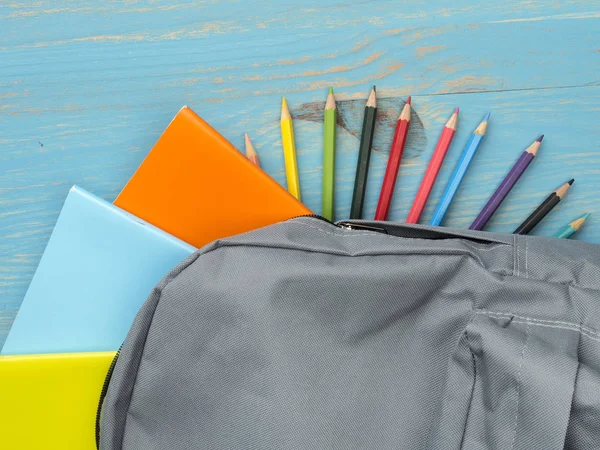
(50, 401)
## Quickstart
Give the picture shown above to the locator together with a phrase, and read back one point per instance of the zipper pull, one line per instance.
(361, 227)
(345, 224)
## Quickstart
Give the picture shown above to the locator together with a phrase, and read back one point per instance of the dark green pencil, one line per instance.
(364, 154)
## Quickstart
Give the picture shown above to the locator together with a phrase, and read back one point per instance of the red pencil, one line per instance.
(391, 172)
(433, 169)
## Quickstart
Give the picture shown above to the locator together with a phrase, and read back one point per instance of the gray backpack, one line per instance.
(370, 335)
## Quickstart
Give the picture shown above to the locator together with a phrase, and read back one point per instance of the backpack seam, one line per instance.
(474, 361)
(519, 386)
(516, 269)
(515, 318)
(504, 272)
(543, 322)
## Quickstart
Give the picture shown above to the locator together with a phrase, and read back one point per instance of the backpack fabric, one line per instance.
(309, 335)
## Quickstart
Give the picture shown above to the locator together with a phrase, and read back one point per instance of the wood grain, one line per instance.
(87, 87)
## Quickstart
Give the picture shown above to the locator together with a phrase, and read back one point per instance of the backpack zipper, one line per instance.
(360, 226)
(103, 392)
(314, 216)
(347, 225)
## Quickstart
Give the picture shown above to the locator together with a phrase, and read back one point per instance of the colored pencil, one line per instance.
(393, 164)
(573, 227)
(329, 122)
(433, 169)
(289, 150)
(364, 154)
(507, 184)
(545, 207)
(459, 172)
(250, 152)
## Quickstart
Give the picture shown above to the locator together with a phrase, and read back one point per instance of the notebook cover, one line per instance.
(99, 266)
(50, 401)
(195, 185)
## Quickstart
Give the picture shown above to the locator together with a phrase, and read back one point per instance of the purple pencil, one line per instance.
(507, 184)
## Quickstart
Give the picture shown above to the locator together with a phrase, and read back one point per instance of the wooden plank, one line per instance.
(248, 62)
(86, 89)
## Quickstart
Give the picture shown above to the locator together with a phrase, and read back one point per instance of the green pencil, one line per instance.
(573, 227)
(364, 154)
(329, 155)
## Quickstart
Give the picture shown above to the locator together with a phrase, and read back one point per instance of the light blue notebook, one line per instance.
(100, 265)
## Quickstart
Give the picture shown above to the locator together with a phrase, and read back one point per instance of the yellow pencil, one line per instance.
(289, 150)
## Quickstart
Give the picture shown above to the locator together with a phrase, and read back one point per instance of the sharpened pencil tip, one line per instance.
(540, 139)
(374, 88)
(408, 100)
(249, 147)
(482, 127)
(578, 223)
(250, 152)
(330, 103)
(571, 181)
(248, 142)
(285, 111)
(453, 120)
(456, 110)
(372, 100)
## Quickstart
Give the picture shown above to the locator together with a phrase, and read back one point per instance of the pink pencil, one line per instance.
(433, 169)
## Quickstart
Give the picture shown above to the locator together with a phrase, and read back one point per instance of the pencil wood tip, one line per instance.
(250, 152)
(453, 120)
(405, 113)
(562, 191)
(534, 147)
(540, 139)
(249, 146)
(372, 101)
(330, 103)
(482, 127)
(577, 223)
(285, 111)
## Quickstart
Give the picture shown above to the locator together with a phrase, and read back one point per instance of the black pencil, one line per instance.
(364, 154)
(545, 207)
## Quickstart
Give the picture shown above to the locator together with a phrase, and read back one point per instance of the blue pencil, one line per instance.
(459, 172)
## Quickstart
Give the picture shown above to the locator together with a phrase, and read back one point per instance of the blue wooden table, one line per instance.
(87, 87)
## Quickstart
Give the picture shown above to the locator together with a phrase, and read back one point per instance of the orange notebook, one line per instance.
(198, 187)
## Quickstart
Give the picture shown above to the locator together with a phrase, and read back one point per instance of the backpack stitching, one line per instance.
(526, 268)
(519, 374)
(585, 331)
